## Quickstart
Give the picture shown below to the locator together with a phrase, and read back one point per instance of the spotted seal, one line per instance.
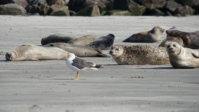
(139, 55)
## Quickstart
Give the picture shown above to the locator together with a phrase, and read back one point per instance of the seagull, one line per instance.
(78, 64)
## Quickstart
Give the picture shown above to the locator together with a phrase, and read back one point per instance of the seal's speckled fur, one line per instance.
(139, 55)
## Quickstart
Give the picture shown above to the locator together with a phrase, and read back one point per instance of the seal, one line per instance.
(190, 39)
(78, 50)
(139, 55)
(84, 40)
(181, 57)
(150, 36)
(30, 52)
(171, 39)
(103, 43)
(56, 38)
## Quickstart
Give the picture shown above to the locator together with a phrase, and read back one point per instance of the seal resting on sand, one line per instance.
(56, 38)
(139, 55)
(78, 50)
(153, 35)
(103, 43)
(181, 57)
(84, 40)
(30, 52)
(171, 39)
(190, 39)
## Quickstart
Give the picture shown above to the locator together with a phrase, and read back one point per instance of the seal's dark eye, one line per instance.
(116, 49)
(168, 46)
(174, 45)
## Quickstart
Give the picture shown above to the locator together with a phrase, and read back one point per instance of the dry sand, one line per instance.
(47, 86)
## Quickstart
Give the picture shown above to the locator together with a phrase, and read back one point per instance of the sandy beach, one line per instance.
(47, 86)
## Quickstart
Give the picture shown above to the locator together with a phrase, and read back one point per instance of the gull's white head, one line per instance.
(70, 56)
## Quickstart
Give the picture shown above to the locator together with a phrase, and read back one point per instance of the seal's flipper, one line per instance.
(100, 54)
(195, 53)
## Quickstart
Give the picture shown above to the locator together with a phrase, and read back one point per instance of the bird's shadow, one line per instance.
(68, 79)
(3, 61)
(157, 68)
(111, 65)
(140, 67)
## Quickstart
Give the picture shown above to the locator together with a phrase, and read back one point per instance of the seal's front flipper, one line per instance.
(195, 53)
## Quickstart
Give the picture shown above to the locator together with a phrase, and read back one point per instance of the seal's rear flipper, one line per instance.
(126, 40)
(100, 54)
(8, 56)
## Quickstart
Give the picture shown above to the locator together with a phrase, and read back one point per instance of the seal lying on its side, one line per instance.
(33, 53)
(190, 39)
(56, 38)
(103, 43)
(84, 40)
(139, 55)
(153, 35)
(182, 57)
(80, 51)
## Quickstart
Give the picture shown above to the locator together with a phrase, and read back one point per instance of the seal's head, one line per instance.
(116, 51)
(173, 48)
(10, 56)
(157, 30)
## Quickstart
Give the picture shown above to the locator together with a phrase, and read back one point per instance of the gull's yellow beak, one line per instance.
(65, 57)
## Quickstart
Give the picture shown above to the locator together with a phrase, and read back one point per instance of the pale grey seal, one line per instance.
(181, 57)
(32, 53)
(78, 50)
(84, 40)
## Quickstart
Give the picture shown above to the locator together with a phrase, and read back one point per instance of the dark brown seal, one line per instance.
(139, 55)
(190, 39)
(56, 38)
(153, 35)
